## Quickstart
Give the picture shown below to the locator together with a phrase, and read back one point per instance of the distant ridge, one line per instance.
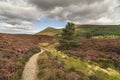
(50, 31)
(84, 30)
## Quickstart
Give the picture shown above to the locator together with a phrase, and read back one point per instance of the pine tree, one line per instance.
(68, 38)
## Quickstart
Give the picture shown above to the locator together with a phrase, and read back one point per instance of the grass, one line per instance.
(71, 65)
(76, 63)
(106, 36)
(104, 76)
(22, 60)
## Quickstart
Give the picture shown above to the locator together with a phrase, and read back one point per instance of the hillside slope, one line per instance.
(107, 31)
(50, 31)
(88, 31)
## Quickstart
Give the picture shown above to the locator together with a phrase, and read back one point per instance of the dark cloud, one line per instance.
(50, 4)
(80, 11)
(77, 10)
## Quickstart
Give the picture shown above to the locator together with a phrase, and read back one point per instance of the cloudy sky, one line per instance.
(30, 16)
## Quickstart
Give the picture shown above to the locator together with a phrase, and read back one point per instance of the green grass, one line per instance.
(104, 76)
(106, 36)
(22, 60)
(76, 63)
(73, 65)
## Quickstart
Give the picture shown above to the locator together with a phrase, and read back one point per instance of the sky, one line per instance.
(31, 16)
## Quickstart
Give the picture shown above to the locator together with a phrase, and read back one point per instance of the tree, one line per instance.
(68, 38)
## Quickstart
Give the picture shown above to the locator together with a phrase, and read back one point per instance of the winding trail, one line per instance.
(30, 69)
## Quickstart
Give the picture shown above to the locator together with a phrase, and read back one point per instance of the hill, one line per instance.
(100, 31)
(50, 31)
(88, 31)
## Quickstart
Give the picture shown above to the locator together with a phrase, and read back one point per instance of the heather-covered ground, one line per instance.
(95, 59)
(106, 52)
(15, 50)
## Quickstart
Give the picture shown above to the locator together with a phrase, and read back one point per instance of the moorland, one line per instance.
(96, 58)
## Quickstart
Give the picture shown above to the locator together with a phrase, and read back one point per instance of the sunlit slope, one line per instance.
(50, 31)
(100, 31)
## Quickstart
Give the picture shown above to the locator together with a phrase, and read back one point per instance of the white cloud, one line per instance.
(18, 10)
(17, 16)
(24, 27)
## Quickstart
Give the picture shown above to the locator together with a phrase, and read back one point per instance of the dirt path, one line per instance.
(30, 70)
